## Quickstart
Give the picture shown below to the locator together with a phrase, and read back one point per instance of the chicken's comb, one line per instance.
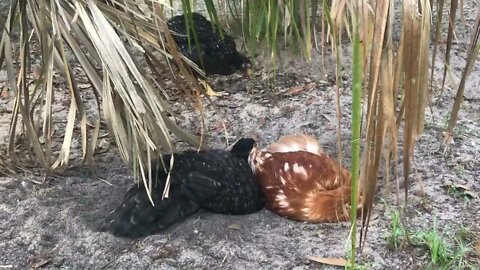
(293, 143)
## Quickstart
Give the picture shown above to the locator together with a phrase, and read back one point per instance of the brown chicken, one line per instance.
(300, 181)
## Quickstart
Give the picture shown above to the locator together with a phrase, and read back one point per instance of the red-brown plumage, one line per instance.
(300, 181)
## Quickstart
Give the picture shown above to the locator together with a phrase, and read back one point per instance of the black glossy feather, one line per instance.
(137, 217)
(216, 180)
(222, 183)
(214, 54)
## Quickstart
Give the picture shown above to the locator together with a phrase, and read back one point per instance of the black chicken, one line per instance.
(216, 180)
(215, 55)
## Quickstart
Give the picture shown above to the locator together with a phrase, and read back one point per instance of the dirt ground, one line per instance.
(56, 224)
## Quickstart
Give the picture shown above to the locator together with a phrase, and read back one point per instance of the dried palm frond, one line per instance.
(88, 31)
(472, 55)
(386, 69)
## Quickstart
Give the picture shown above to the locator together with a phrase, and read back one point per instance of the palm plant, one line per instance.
(137, 115)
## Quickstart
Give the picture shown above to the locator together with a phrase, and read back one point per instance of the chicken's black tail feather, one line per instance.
(136, 216)
(200, 187)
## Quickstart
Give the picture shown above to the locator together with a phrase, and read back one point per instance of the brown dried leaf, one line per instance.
(464, 189)
(41, 263)
(262, 121)
(300, 88)
(235, 226)
(448, 138)
(447, 183)
(330, 261)
(103, 144)
(221, 126)
(84, 86)
(37, 262)
(477, 248)
(37, 73)
(420, 183)
(310, 86)
(310, 100)
(451, 184)
(295, 89)
(5, 93)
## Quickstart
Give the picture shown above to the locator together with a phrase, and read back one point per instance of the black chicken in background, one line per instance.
(214, 54)
(216, 180)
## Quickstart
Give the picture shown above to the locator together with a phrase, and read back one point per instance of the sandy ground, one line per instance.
(56, 225)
